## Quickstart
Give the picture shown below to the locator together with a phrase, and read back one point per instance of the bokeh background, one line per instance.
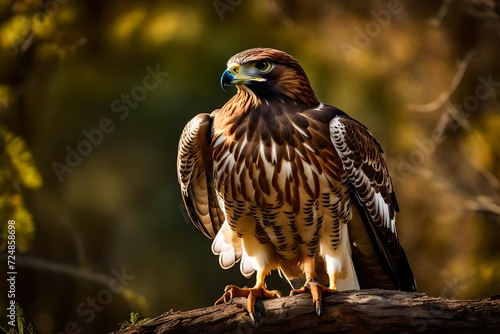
(424, 76)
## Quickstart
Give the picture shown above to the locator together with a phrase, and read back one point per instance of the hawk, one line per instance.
(282, 181)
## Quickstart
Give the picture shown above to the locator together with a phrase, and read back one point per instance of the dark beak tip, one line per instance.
(225, 80)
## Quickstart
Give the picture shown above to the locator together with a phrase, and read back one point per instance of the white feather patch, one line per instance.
(246, 266)
(220, 140)
(339, 263)
(300, 130)
(223, 246)
(287, 169)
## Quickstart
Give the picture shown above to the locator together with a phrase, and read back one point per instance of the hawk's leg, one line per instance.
(258, 291)
(311, 285)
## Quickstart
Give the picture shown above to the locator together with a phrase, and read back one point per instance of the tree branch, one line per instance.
(365, 311)
(445, 96)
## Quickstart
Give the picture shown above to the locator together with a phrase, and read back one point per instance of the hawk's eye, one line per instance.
(263, 66)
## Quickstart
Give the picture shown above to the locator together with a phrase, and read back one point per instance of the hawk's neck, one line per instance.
(260, 119)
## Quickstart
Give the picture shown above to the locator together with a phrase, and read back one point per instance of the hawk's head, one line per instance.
(270, 75)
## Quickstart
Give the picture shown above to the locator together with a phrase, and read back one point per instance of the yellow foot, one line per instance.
(317, 290)
(259, 291)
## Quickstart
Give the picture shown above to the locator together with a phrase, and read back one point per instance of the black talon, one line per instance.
(259, 311)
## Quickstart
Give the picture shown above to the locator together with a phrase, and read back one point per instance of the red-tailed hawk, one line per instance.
(282, 181)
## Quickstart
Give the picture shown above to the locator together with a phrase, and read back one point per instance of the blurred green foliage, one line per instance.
(135, 319)
(68, 65)
(21, 324)
(18, 169)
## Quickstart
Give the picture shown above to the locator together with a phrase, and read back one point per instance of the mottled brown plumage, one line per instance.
(281, 181)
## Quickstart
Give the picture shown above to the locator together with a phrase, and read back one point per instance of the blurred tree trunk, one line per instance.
(366, 311)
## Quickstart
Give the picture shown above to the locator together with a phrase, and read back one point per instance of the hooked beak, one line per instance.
(235, 75)
(226, 79)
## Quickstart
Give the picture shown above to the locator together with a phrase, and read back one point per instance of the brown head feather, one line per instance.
(286, 81)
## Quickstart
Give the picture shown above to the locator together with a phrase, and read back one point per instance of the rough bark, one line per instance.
(366, 311)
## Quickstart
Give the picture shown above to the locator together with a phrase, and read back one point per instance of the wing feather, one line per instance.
(195, 175)
(367, 176)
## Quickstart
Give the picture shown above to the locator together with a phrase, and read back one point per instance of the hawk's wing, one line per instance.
(194, 168)
(378, 257)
